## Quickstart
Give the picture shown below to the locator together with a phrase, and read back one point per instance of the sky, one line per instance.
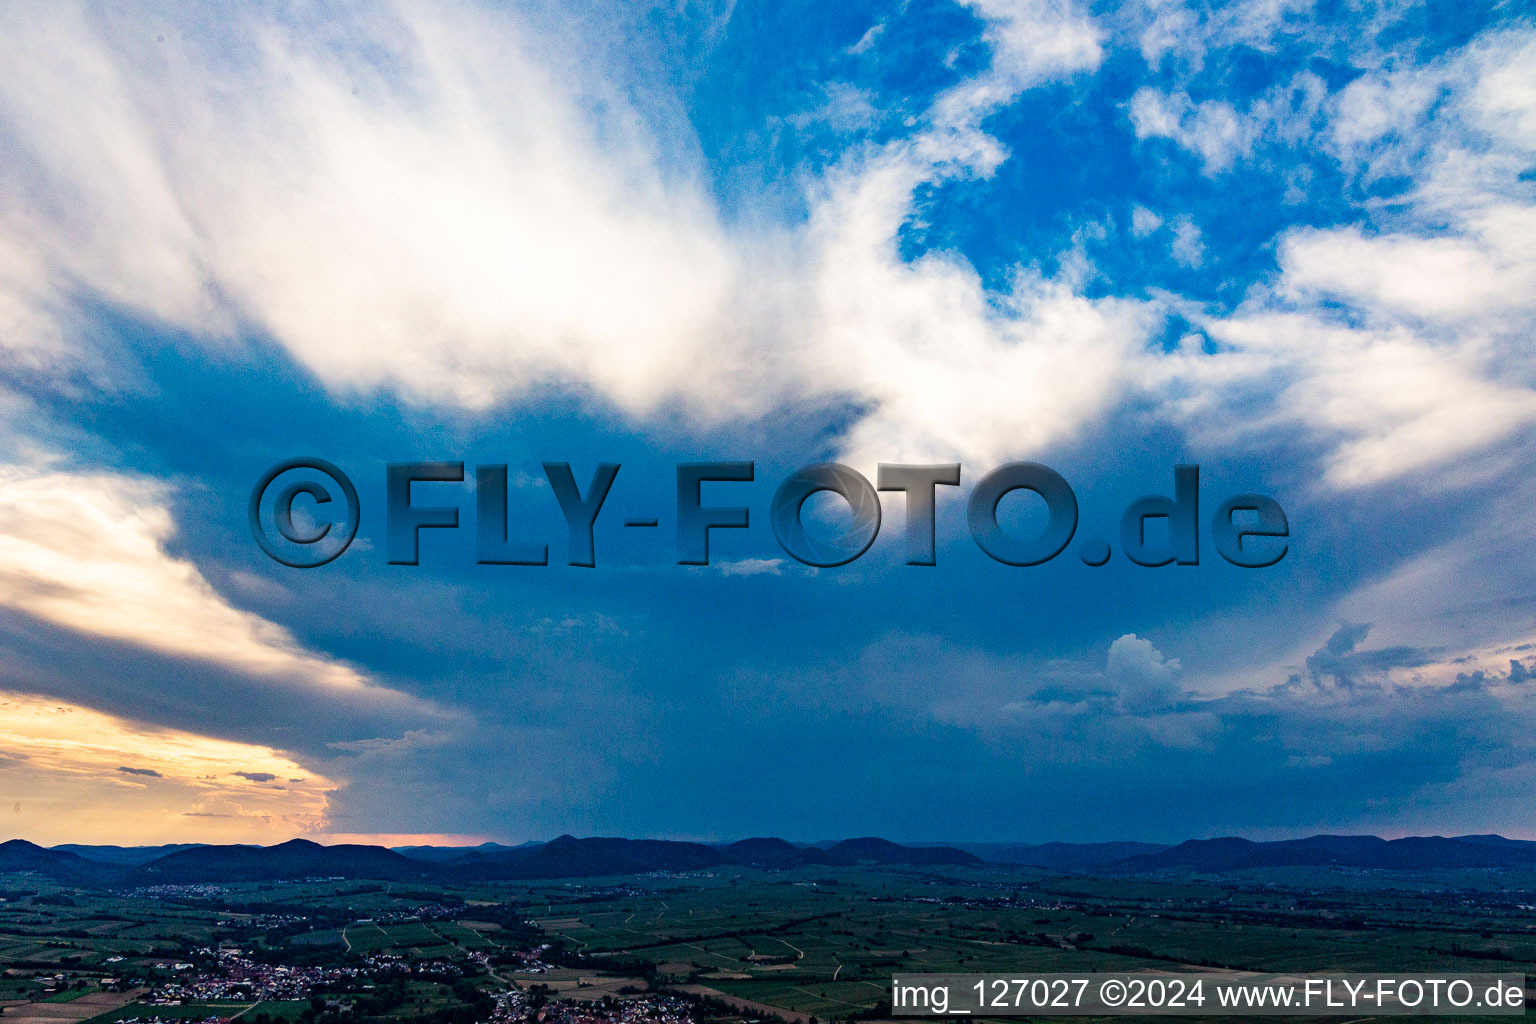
(1291, 242)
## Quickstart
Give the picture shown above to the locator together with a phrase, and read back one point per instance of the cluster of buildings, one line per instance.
(264, 922)
(235, 977)
(516, 1007)
(381, 964)
(523, 961)
(415, 912)
(182, 892)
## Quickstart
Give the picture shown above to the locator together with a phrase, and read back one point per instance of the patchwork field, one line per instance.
(807, 943)
(80, 1007)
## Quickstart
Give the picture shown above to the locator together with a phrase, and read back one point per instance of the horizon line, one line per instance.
(379, 840)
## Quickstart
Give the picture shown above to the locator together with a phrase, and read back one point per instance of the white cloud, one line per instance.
(1170, 27)
(1479, 98)
(1146, 680)
(468, 229)
(1144, 221)
(1504, 100)
(1187, 248)
(465, 230)
(943, 365)
(846, 108)
(1378, 403)
(753, 567)
(1219, 133)
(1166, 29)
(458, 231)
(1213, 128)
(867, 40)
(1482, 275)
(1397, 349)
(1132, 659)
(1034, 41)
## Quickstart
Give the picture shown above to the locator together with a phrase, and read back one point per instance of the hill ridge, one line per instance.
(568, 856)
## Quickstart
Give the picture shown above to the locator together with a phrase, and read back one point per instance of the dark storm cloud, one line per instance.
(284, 712)
(1342, 662)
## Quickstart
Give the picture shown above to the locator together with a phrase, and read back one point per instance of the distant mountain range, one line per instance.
(1417, 853)
(565, 857)
(133, 855)
(1061, 856)
(437, 854)
(569, 857)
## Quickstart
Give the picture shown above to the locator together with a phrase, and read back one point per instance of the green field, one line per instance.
(821, 941)
(67, 996)
(829, 950)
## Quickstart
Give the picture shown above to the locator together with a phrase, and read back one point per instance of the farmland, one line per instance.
(812, 942)
(827, 948)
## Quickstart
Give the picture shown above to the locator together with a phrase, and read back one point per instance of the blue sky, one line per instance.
(1289, 242)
